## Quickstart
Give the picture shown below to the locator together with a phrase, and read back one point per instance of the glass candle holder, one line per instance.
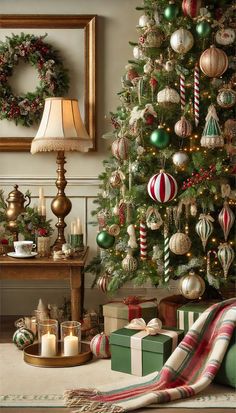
(48, 337)
(71, 337)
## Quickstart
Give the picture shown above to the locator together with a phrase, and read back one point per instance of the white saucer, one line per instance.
(15, 255)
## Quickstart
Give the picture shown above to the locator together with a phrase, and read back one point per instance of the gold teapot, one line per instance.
(15, 206)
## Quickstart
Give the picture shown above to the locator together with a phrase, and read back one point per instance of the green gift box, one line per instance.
(117, 314)
(189, 313)
(227, 373)
(133, 354)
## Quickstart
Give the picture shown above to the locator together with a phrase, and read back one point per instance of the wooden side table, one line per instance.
(47, 269)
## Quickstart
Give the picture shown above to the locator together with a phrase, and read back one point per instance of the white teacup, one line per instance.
(24, 247)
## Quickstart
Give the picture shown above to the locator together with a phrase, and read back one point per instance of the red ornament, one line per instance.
(191, 8)
(162, 187)
(153, 82)
(4, 241)
(42, 232)
(226, 219)
(149, 119)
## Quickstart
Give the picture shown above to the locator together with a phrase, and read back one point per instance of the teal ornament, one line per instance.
(171, 11)
(203, 29)
(23, 337)
(160, 138)
(105, 240)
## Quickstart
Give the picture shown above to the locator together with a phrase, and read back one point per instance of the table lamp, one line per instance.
(61, 130)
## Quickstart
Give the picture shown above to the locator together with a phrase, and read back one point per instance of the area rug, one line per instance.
(22, 385)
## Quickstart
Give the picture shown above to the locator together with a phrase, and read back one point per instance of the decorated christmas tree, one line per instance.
(165, 210)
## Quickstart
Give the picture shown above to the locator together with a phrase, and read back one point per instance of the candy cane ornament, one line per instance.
(143, 240)
(166, 255)
(196, 95)
(182, 91)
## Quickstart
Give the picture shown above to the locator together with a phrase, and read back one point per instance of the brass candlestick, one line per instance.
(61, 204)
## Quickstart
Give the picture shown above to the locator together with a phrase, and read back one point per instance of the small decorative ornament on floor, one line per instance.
(23, 337)
(100, 346)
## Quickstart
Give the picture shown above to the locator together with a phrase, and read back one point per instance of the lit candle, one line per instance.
(73, 228)
(79, 227)
(41, 192)
(71, 345)
(43, 206)
(48, 345)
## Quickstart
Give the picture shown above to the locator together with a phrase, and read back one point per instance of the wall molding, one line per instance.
(48, 181)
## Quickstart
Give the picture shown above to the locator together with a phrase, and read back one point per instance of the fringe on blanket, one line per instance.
(83, 400)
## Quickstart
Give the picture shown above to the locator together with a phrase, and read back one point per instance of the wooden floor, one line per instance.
(7, 329)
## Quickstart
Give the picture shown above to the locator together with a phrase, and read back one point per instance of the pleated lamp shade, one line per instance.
(61, 128)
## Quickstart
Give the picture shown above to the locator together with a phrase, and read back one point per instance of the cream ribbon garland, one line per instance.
(152, 328)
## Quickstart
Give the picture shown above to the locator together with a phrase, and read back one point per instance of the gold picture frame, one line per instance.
(87, 23)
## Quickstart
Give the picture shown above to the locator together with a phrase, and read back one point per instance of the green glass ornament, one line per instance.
(203, 29)
(160, 138)
(105, 240)
(171, 11)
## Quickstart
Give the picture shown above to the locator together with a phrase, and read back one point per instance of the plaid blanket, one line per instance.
(190, 369)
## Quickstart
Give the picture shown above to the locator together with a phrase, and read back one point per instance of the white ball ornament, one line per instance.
(181, 41)
(138, 53)
(144, 20)
(162, 187)
(180, 159)
(225, 37)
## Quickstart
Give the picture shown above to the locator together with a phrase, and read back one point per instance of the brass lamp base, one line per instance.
(61, 204)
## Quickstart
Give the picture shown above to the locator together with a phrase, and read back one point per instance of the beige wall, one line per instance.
(116, 26)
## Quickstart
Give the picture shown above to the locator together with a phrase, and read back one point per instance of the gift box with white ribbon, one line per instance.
(145, 351)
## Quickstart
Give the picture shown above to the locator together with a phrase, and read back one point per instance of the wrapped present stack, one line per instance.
(118, 313)
(142, 348)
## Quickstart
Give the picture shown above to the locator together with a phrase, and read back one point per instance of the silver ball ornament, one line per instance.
(192, 286)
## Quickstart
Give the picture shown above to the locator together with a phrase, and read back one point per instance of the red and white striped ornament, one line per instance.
(100, 346)
(162, 187)
(143, 240)
(183, 128)
(191, 8)
(226, 219)
(120, 148)
(103, 282)
(196, 95)
(182, 91)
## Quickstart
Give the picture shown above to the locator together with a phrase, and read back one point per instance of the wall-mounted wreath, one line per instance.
(53, 77)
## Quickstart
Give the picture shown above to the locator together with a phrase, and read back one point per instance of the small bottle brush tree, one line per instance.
(169, 174)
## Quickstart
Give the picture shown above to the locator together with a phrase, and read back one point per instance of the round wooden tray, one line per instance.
(32, 356)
